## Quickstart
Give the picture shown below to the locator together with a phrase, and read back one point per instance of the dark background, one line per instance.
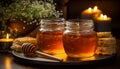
(73, 8)
(109, 7)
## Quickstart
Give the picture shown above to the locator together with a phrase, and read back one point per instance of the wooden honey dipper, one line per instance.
(31, 48)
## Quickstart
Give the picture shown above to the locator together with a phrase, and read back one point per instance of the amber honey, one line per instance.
(50, 42)
(80, 45)
(49, 36)
(79, 38)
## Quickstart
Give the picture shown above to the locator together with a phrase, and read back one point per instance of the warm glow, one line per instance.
(103, 17)
(7, 36)
(90, 58)
(8, 63)
(7, 39)
(95, 8)
(93, 11)
(89, 9)
(62, 55)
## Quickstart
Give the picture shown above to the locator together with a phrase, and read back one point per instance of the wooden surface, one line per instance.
(7, 62)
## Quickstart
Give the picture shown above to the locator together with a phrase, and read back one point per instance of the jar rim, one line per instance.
(53, 19)
(80, 20)
(80, 23)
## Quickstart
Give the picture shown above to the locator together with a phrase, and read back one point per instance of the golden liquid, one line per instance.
(81, 45)
(50, 42)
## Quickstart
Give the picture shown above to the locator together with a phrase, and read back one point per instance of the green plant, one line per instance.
(31, 11)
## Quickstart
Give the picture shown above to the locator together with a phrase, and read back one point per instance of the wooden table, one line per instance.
(7, 62)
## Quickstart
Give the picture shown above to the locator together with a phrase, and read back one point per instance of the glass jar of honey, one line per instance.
(49, 36)
(79, 38)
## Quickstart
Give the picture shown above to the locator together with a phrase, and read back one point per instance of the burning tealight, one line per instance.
(91, 13)
(5, 43)
(103, 23)
(103, 18)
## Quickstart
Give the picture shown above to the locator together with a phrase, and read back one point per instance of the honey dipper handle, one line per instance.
(49, 56)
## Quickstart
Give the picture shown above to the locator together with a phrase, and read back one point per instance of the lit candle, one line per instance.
(104, 18)
(91, 13)
(103, 23)
(5, 43)
(7, 39)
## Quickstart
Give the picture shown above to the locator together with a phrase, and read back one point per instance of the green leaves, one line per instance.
(30, 10)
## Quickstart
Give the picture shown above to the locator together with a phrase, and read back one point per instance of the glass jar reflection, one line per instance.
(79, 38)
(49, 36)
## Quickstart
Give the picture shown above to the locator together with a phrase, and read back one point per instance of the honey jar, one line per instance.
(49, 36)
(79, 38)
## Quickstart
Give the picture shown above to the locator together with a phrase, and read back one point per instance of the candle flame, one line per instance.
(90, 9)
(7, 36)
(95, 8)
(101, 15)
(105, 16)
